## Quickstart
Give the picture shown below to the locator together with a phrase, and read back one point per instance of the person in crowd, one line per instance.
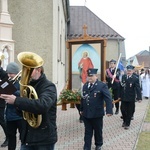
(3, 75)
(129, 88)
(145, 80)
(142, 71)
(44, 136)
(113, 82)
(13, 119)
(137, 75)
(94, 94)
(84, 64)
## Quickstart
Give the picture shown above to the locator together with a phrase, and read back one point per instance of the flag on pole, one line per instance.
(120, 66)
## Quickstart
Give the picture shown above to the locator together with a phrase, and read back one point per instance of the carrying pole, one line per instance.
(116, 68)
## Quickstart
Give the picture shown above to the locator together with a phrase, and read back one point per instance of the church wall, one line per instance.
(41, 28)
(59, 46)
(33, 29)
(112, 50)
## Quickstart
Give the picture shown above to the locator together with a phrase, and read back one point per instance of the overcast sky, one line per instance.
(130, 18)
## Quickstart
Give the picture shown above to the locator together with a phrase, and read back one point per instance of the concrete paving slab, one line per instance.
(71, 131)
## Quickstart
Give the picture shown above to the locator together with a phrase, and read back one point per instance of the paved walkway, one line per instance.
(71, 132)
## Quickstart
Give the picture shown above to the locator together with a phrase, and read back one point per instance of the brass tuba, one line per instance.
(29, 61)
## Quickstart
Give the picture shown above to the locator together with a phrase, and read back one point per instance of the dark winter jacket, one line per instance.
(3, 75)
(11, 111)
(45, 105)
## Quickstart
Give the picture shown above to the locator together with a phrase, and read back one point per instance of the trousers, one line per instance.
(12, 127)
(93, 125)
(2, 121)
(127, 109)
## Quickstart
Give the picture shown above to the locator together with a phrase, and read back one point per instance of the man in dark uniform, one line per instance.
(94, 93)
(135, 73)
(129, 88)
(3, 75)
(115, 84)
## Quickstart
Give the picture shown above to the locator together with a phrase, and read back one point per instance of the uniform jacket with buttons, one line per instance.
(129, 88)
(92, 102)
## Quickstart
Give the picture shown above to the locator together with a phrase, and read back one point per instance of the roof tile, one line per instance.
(80, 15)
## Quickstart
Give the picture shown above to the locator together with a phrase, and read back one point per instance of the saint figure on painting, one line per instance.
(84, 64)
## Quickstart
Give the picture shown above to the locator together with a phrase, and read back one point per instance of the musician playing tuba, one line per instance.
(43, 135)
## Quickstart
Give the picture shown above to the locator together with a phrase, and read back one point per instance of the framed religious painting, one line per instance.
(84, 56)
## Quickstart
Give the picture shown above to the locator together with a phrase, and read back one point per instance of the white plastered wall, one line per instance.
(59, 46)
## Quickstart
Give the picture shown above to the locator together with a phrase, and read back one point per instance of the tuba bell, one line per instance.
(29, 61)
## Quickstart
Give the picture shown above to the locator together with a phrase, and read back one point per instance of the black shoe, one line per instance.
(5, 143)
(123, 125)
(98, 148)
(81, 121)
(117, 112)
